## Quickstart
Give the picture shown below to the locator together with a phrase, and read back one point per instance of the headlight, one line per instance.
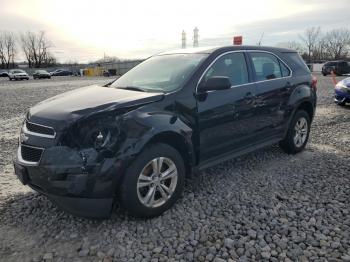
(340, 85)
(100, 133)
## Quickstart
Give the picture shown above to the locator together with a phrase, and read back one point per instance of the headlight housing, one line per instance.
(98, 132)
(341, 85)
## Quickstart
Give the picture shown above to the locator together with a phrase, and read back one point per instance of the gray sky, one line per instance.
(85, 30)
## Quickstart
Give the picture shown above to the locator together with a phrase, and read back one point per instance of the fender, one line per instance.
(300, 94)
(141, 128)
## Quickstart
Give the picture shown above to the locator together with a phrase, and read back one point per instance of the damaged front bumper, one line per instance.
(342, 95)
(80, 182)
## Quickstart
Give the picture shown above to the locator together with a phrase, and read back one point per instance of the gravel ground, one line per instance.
(263, 206)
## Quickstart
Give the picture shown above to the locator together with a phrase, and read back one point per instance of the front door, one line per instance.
(225, 116)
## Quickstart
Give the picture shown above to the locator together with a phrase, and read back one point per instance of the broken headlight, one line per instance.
(100, 133)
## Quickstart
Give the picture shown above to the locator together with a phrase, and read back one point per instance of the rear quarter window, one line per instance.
(297, 62)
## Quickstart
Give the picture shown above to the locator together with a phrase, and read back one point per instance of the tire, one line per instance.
(324, 74)
(341, 103)
(134, 190)
(291, 144)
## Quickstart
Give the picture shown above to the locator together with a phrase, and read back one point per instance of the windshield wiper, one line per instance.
(134, 88)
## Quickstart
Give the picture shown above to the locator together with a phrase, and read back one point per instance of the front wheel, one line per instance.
(297, 134)
(153, 181)
(341, 103)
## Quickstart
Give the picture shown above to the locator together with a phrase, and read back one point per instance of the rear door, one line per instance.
(225, 116)
(273, 88)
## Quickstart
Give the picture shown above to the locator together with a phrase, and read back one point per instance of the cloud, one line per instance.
(284, 29)
(83, 31)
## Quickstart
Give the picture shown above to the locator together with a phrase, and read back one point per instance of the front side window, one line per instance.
(163, 73)
(266, 66)
(233, 66)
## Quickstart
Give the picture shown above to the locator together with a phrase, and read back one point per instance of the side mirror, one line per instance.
(214, 83)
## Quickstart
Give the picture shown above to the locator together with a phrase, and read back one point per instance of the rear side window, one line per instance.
(297, 61)
(267, 66)
(233, 66)
(284, 69)
(330, 64)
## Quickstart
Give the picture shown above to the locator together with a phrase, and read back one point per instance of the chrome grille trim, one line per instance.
(28, 163)
(26, 131)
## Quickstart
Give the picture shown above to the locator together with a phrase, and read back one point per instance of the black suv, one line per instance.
(338, 67)
(135, 139)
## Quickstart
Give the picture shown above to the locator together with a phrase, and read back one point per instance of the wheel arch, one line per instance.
(178, 142)
(306, 106)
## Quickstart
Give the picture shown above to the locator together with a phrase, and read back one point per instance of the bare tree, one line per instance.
(294, 45)
(319, 51)
(7, 49)
(337, 43)
(310, 38)
(36, 48)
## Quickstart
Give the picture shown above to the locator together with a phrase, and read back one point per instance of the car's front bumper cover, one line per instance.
(80, 206)
(81, 188)
(342, 95)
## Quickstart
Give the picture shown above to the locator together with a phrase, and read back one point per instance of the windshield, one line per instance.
(17, 71)
(164, 73)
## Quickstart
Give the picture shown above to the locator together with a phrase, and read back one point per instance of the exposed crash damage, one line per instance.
(81, 166)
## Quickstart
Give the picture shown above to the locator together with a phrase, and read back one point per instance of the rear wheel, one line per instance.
(297, 134)
(153, 182)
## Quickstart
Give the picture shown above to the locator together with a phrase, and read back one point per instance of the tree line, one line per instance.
(34, 45)
(314, 45)
(317, 46)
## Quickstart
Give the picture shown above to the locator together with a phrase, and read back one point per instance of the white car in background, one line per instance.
(17, 74)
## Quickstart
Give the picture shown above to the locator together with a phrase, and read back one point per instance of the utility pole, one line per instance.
(183, 39)
(195, 37)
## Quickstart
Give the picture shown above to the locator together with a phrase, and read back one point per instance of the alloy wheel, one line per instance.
(157, 182)
(301, 129)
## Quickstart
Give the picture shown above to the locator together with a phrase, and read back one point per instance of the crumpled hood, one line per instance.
(62, 109)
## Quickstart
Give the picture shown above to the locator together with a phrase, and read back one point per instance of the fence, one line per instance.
(114, 68)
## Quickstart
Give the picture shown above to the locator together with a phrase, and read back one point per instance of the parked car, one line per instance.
(342, 92)
(4, 73)
(338, 67)
(39, 74)
(17, 74)
(61, 72)
(136, 139)
(106, 73)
